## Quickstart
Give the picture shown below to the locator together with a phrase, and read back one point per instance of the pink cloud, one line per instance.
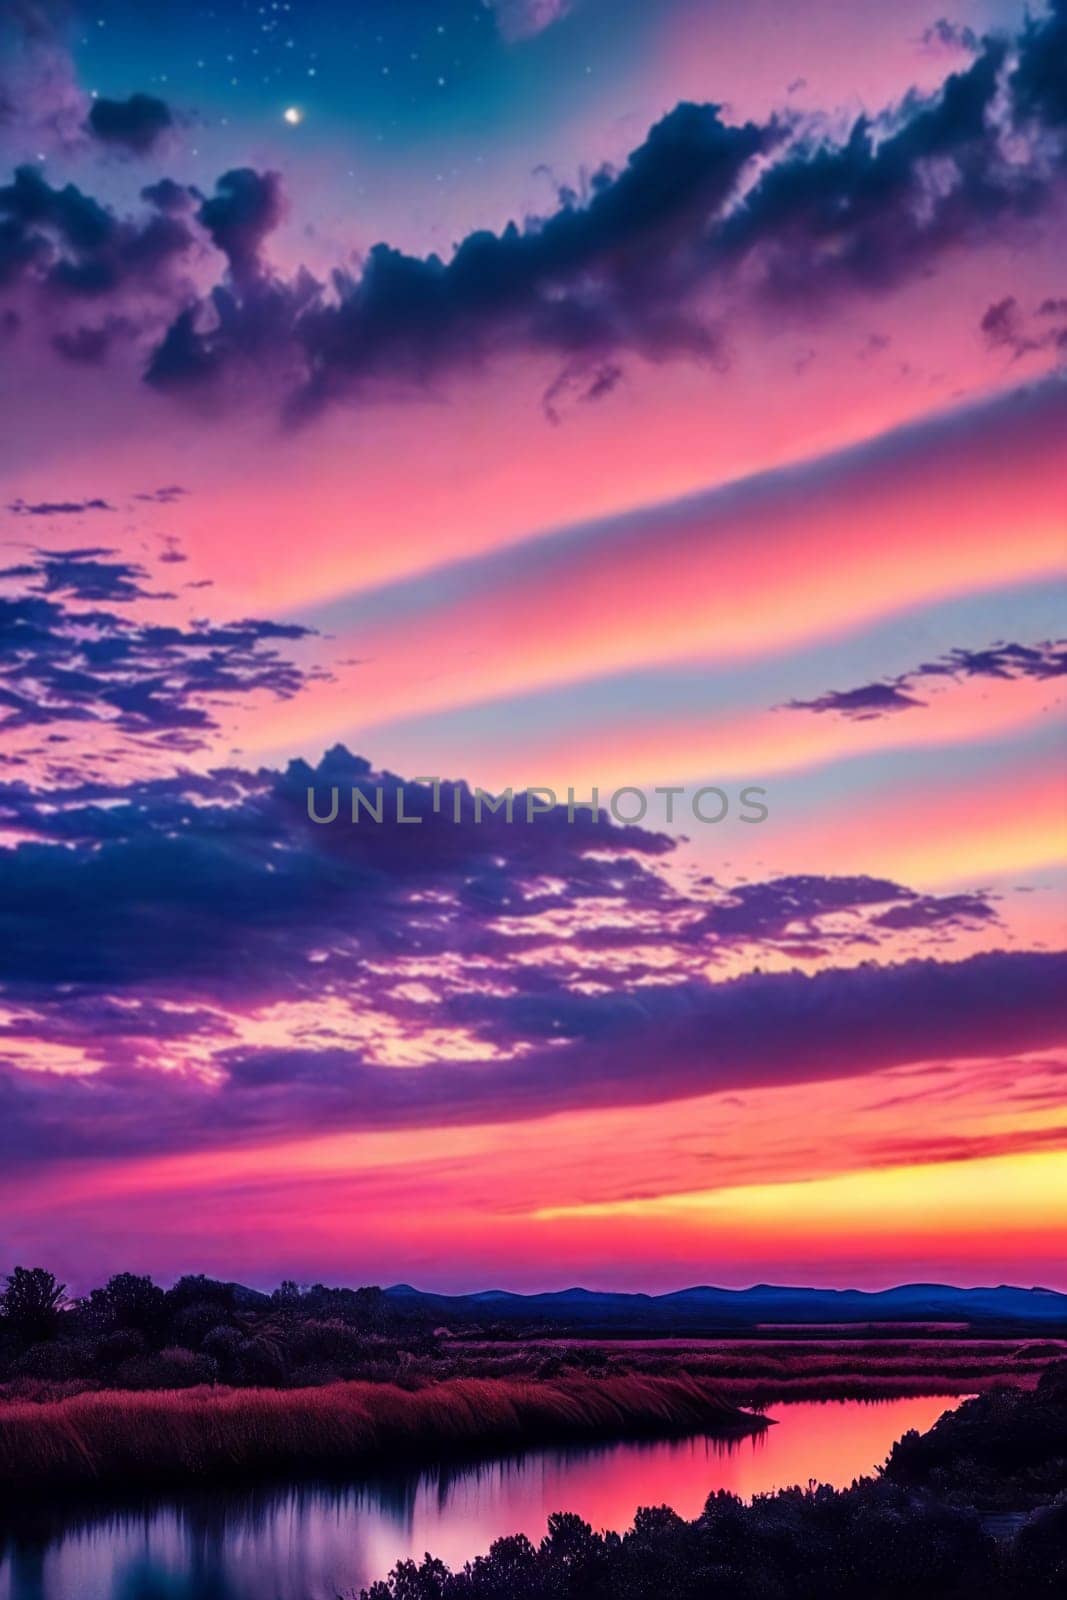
(522, 19)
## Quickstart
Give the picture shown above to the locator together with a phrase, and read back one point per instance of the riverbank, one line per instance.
(110, 1441)
(762, 1371)
(1004, 1452)
(914, 1530)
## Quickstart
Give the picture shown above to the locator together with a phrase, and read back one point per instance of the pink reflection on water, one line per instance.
(313, 1542)
(832, 1442)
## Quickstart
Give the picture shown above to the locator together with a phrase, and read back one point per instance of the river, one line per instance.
(315, 1541)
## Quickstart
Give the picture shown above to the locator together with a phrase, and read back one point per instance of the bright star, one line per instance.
(293, 116)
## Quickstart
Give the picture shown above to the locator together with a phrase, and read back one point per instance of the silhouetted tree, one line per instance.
(196, 1289)
(128, 1300)
(32, 1302)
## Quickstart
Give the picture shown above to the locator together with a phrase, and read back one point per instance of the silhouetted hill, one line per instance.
(705, 1306)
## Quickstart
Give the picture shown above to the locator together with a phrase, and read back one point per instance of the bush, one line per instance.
(1040, 1553)
(174, 1368)
(870, 1542)
(55, 1362)
(260, 1362)
(333, 1341)
(191, 1324)
(223, 1343)
(120, 1345)
(1052, 1384)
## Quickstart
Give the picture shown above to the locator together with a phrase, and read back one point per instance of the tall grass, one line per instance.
(762, 1371)
(123, 1441)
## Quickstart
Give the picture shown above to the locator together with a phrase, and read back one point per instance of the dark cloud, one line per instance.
(246, 207)
(1001, 322)
(781, 1027)
(633, 264)
(166, 195)
(66, 243)
(1005, 326)
(249, 320)
(650, 259)
(57, 508)
(166, 496)
(579, 283)
(580, 385)
(90, 573)
(218, 888)
(65, 663)
(231, 862)
(1005, 661)
(232, 335)
(946, 35)
(136, 124)
(1040, 79)
(792, 908)
(928, 911)
(626, 1049)
(866, 214)
(869, 700)
(1047, 660)
(141, 912)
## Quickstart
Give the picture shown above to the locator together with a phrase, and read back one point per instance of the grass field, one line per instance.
(112, 1441)
(757, 1372)
(471, 1395)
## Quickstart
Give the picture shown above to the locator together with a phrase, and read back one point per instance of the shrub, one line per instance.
(260, 1362)
(56, 1361)
(223, 1344)
(122, 1344)
(1040, 1564)
(191, 1324)
(331, 1341)
(174, 1368)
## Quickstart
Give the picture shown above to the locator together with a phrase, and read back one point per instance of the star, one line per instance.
(293, 116)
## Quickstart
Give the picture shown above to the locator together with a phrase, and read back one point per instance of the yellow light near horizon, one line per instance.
(995, 1194)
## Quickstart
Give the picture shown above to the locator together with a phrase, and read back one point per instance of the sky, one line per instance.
(662, 407)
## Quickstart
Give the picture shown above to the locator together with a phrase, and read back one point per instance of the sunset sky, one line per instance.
(561, 393)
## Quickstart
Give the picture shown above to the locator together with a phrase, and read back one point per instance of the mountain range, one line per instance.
(707, 1306)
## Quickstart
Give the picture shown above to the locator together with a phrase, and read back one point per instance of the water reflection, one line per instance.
(316, 1541)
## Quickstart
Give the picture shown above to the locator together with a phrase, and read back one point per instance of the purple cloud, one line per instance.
(703, 211)
(1005, 326)
(951, 36)
(1009, 662)
(42, 106)
(167, 909)
(57, 508)
(63, 666)
(523, 19)
(636, 1048)
(136, 124)
(70, 247)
